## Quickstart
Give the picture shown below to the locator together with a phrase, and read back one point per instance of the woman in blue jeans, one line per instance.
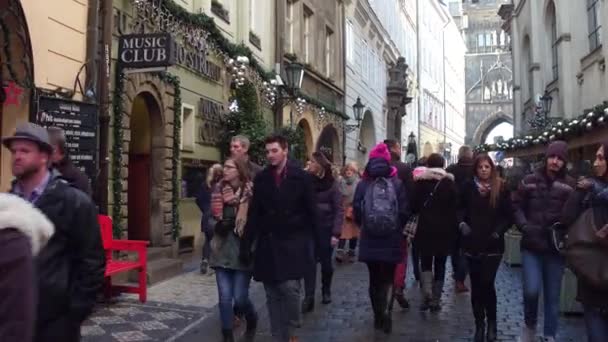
(592, 193)
(229, 206)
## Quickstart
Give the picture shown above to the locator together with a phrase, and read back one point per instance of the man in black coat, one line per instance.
(70, 268)
(282, 218)
(463, 173)
(62, 162)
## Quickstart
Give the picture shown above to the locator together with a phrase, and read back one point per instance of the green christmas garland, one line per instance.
(117, 150)
(561, 130)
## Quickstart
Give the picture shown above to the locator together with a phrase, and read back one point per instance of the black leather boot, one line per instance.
(308, 304)
(252, 325)
(491, 333)
(480, 328)
(326, 287)
(378, 317)
(228, 336)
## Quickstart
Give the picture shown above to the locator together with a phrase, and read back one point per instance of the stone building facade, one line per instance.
(312, 33)
(441, 81)
(489, 71)
(369, 52)
(558, 47)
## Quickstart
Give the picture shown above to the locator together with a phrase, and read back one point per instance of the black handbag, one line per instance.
(228, 222)
(586, 253)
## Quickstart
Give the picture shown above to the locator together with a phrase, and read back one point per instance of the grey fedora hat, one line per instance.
(30, 132)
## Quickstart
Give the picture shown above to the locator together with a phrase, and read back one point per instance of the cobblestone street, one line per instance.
(184, 309)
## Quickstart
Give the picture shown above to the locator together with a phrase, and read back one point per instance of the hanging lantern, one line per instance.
(601, 121)
(589, 126)
(590, 115)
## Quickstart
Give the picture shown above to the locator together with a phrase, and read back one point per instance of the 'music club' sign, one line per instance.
(146, 50)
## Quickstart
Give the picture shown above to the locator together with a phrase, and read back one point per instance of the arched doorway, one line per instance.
(367, 137)
(305, 127)
(329, 143)
(145, 174)
(16, 76)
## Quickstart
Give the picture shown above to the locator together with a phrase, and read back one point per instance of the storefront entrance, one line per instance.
(145, 216)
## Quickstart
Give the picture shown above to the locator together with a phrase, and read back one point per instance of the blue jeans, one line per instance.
(233, 288)
(597, 324)
(542, 271)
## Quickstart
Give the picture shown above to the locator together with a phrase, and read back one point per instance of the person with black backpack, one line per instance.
(381, 209)
(435, 202)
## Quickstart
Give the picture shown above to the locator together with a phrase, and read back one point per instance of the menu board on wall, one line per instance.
(79, 122)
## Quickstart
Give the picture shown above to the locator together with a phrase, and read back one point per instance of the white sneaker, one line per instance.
(528, 334)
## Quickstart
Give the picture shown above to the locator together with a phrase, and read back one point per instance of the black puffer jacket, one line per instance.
(539, 202)
(330, 210)
(70, 268)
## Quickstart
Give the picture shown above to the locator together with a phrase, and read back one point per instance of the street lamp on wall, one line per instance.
(294, 72)
(546, 101)
(358, 112)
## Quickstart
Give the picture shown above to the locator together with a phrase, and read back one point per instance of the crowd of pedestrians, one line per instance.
(302, 216)
(275, 225)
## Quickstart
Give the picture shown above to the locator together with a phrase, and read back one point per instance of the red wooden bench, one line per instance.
(118, 266)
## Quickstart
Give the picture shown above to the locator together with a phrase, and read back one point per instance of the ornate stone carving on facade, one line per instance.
(396, 91)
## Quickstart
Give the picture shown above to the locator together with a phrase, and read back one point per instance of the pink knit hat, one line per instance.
(380, 151)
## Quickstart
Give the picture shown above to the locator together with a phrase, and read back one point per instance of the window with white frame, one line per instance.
(350, 46)
(594, 24)
(289, 27)
(329, 54)
(187, 135)
(308, 40)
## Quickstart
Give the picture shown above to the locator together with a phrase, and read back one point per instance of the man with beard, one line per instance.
(282, 218)
(62, 162)
(539, 204)
(70, 268)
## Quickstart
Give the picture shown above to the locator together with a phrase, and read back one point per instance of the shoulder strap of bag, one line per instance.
(428, 200)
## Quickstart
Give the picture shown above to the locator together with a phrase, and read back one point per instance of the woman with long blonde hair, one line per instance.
(203, 200)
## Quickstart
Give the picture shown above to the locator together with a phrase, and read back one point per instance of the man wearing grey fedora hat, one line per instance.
(70, 268)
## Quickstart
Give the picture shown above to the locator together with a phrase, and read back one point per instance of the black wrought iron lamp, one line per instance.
(358, 112)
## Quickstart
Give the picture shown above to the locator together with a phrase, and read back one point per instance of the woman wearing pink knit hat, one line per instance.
(381, 210)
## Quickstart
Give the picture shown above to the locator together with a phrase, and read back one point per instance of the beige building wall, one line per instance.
(57, 32)
(581, 81)
(242, 18)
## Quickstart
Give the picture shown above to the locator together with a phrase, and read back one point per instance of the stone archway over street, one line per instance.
(488, 124)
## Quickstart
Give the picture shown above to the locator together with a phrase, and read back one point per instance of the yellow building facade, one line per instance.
(46, 43)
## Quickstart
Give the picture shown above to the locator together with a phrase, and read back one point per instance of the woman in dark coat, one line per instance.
(485, 216)
(381, 252)
(434, 200)
(593, 193)
(203, 200)
(330, 218)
